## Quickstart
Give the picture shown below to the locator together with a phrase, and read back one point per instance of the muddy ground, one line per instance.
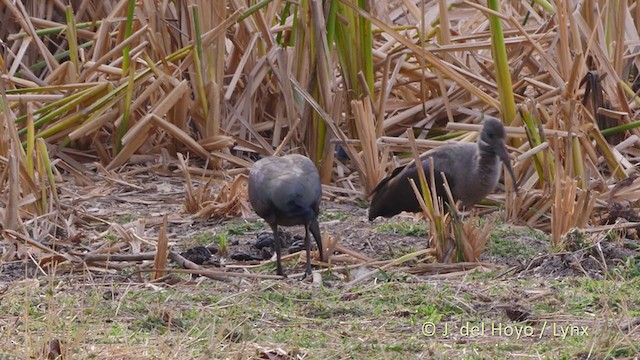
(530, 284)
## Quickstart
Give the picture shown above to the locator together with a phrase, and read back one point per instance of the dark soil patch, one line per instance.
(386, 314)
(17, 270)
(347, 222)
(594, 261)
(145, 199)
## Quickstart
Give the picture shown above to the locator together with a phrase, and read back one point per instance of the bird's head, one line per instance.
(492, 140)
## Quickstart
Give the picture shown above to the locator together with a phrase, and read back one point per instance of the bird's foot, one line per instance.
(308, 271)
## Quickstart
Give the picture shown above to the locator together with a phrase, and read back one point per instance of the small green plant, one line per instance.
(222, 241)
(111, 238)
(362, 204)
(629, 270)
(150, 323)
(241, 228)
(205, 238)
(575, 239)
(334, 215)
(508, 242)
(407, 228)
(616, 235)
(126, 218)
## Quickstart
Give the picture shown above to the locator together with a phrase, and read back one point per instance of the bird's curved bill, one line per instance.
(504, 156)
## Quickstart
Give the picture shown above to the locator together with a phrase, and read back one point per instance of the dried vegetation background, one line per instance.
(104, 95)
(96, 92)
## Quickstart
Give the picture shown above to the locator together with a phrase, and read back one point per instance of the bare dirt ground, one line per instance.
(528, 301)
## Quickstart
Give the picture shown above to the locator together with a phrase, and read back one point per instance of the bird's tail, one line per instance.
(302, 209)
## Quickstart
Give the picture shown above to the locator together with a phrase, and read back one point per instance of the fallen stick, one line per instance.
(180, 260)
(216, 275)
(630, 324)
(89, 258)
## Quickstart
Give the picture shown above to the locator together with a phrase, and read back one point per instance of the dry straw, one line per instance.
(117, 82)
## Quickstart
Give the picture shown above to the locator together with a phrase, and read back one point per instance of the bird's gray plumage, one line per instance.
(472, 171)
(286, 191)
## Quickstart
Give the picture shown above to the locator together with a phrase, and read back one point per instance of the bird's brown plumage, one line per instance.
(472, 172)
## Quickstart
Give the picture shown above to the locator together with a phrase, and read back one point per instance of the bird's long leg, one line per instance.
(307, 245)
(315, 231)
(277, 246)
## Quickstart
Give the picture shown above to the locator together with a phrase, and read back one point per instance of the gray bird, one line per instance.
(286, 191)
(472, 171)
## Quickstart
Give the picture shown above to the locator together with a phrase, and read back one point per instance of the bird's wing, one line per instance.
(442, 164)
(293, 185)
(409, 170)
(313, 187)
(258, 197)
(388, 178)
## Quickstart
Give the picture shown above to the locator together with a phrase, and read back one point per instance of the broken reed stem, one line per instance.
(394, 262)
(429, 202)
(88, 108)
(90, 258)
(367, 134)
(224, 276)
(191, 266)
(461, 241)
(160, 260)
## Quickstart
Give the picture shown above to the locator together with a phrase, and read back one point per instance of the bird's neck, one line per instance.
(487, 164)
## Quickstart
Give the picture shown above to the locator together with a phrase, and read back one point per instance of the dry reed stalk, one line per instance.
(11, 218)
(572, 207)
(456, 268)
(231, 201)
(434, 61)
(160, 257)
(192, 202)
(76, 66)
(474, 238)
(367, 134)
(432, 207)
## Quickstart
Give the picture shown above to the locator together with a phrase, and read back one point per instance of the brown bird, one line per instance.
(286, 191)
(472, 171)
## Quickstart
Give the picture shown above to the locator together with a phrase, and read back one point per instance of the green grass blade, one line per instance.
(72, 38)
(503, 76)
